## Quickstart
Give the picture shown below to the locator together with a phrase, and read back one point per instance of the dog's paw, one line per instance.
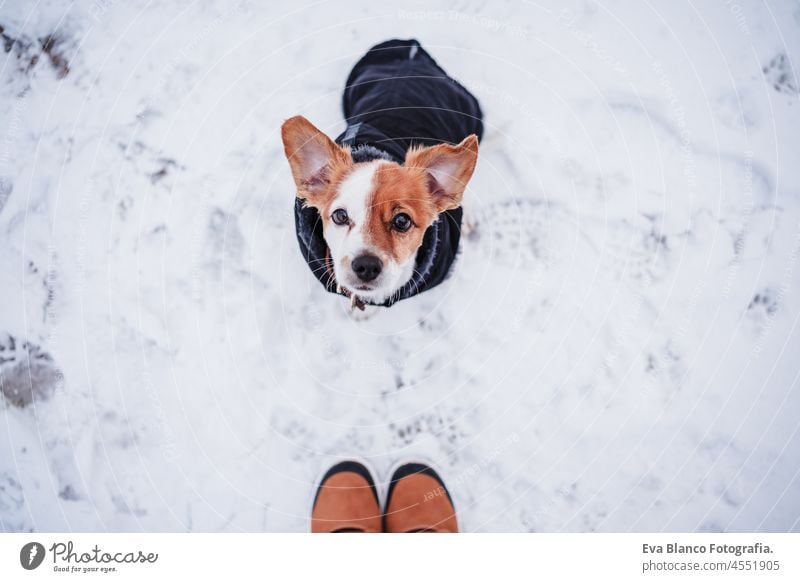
(365, 314)
(27, 373)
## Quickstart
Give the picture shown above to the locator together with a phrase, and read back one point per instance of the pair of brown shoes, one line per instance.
(417, 501)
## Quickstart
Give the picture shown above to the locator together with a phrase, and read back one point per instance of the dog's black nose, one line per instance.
(367, 267)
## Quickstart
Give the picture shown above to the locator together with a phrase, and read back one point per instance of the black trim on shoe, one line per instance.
(348, 467)
(412, 469)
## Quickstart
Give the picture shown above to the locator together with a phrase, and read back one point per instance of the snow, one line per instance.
(616, 349)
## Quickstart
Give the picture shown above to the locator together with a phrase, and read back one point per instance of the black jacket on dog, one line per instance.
(397, 97)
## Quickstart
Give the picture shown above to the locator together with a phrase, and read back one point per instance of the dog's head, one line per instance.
(374, 214)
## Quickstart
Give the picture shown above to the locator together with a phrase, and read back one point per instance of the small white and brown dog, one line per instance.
(378, 211)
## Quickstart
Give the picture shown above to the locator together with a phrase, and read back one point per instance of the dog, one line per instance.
(378, 211)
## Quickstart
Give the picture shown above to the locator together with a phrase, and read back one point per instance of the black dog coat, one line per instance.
(397, 97)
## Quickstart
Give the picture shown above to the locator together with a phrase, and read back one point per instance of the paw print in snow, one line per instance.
(780, 75)
(763, 307)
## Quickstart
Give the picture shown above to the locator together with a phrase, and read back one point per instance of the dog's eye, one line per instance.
(340, 217)
(402, 222)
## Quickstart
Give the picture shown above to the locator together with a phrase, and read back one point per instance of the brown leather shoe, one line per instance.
(418, 501)
(346, 501)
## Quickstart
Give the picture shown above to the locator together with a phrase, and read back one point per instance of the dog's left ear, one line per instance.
(311, 155)
(448, 168)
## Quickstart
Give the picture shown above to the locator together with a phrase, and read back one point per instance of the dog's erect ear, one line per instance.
(311, 155)
(448, 167)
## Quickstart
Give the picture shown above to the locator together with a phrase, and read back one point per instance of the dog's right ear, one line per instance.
(312, 156)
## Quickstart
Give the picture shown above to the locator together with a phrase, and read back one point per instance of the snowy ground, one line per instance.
(616, 350)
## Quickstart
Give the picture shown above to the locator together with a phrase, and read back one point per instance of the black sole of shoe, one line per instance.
(348, 467)
(412, 469)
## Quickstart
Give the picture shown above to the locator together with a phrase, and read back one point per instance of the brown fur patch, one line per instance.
(397, 190)
(431, 181)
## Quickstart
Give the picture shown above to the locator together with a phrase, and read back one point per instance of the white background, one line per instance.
(398, 557)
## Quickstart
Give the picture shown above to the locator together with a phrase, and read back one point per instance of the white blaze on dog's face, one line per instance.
(375, 213)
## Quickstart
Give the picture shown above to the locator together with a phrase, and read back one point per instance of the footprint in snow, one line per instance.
(27, 373)
(513, 232)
